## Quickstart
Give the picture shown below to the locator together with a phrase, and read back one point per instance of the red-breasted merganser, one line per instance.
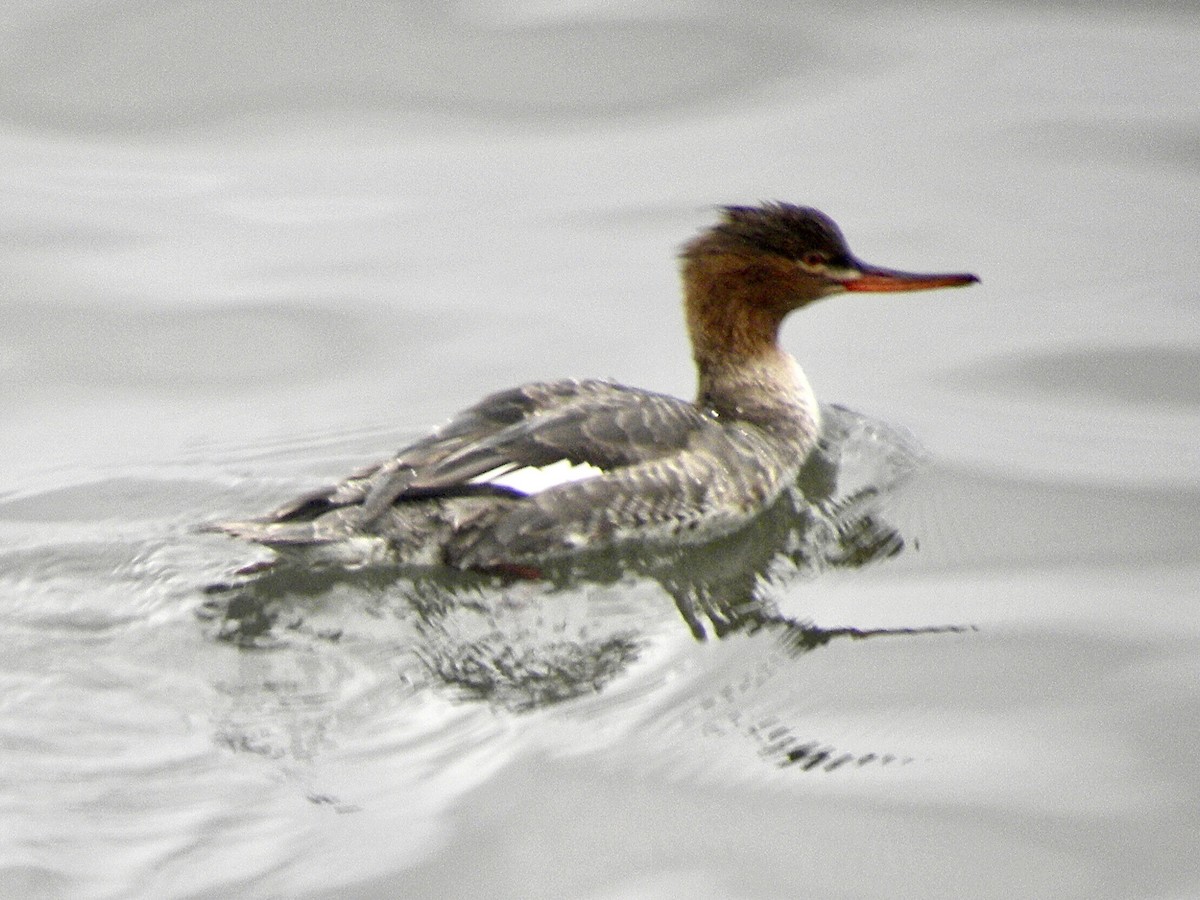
(617, 463)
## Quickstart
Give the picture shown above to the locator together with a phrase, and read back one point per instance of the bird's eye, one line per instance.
(814, 259)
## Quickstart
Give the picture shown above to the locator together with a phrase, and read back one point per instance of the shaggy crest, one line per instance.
(777, 228)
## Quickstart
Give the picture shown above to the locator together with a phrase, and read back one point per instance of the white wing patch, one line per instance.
(529, 480)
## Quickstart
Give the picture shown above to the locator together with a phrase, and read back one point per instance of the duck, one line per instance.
(547, 470)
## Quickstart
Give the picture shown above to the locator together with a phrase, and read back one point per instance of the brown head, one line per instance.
(747, 272)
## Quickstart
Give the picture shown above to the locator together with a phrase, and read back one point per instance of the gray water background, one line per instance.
(248, 247)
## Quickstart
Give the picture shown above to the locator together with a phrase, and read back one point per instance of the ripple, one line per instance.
(138, 67)
(1149, 374)
(1130, 141)
(191, 351)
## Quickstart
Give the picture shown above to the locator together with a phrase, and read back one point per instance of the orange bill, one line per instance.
(878, 280)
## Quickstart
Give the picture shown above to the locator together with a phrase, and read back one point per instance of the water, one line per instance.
(249, 248)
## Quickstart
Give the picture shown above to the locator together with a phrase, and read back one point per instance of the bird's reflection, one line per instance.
(508, 642)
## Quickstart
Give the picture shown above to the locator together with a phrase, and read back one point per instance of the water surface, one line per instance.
(251, 247)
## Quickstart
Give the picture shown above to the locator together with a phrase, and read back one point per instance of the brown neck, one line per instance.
(735, 305)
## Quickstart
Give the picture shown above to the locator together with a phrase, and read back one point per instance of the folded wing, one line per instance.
(571, 426)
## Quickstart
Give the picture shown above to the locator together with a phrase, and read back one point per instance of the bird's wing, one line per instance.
(717, 479)
(573, 428)
(604, 429)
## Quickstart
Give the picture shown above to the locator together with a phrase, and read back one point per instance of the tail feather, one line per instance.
(275, 534)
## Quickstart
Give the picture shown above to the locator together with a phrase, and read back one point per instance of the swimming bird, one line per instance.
(614, 463)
